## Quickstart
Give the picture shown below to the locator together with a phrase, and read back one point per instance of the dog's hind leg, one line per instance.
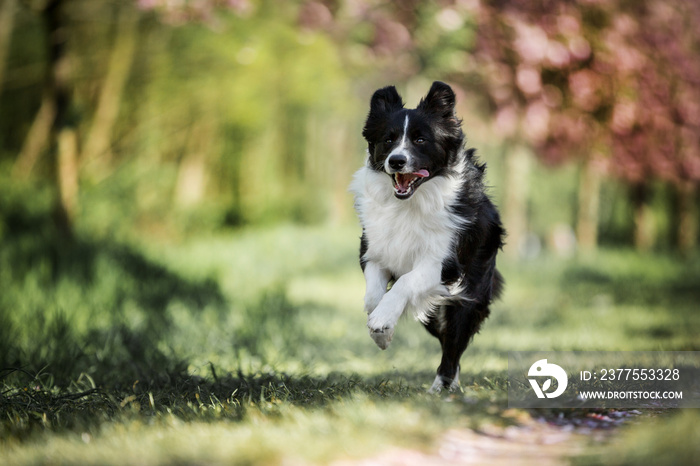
(454, 326)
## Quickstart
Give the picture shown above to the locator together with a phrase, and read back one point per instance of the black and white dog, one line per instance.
(428, 227)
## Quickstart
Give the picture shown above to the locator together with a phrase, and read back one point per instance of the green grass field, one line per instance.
(251, 348)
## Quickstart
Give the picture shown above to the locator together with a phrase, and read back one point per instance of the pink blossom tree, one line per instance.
(613, 85)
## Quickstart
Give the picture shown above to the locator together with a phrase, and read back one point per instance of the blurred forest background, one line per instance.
(162, 118)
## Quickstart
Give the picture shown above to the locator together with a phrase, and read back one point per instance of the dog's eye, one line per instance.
(419, 140)
(389, 141)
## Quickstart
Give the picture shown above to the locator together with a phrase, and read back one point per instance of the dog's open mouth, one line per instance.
(406, 183)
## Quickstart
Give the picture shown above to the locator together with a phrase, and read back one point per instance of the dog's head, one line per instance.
(413, 145)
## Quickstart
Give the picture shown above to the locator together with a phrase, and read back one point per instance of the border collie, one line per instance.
(428, 228)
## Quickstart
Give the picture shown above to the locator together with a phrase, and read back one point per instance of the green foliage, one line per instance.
(252, 105)
(244, 100)
(250, 113)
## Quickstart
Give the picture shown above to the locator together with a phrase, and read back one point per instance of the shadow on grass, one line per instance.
(233, 397)
(84, 306)
(87, 329)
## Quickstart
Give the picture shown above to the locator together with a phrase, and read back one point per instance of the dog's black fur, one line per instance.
(435, 143)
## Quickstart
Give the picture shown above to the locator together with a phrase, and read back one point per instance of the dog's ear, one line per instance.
(385, 100)
(439, 101)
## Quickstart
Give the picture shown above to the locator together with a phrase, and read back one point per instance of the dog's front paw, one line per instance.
(382, 321)
(382, 337)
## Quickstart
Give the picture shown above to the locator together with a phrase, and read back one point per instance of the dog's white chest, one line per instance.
(403, 233)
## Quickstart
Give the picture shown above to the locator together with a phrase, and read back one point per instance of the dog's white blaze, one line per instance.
(405, 132)
(412, 235)
(401, 148)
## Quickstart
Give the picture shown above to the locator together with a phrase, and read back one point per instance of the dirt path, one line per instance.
(533, 441)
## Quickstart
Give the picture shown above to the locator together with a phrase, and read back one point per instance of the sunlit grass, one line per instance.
(252, 348)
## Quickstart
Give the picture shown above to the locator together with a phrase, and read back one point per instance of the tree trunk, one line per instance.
(191, 179)
(644, 236)
(588, 203)
(63, 137)
(97, 144)
(37, 138)
(517, 167)
(687, 232)
(7, 19)
(192, 173)
(67, 153)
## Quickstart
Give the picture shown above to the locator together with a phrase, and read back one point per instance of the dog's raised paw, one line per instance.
(382, 337)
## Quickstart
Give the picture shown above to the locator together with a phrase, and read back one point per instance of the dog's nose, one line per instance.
(397, 161)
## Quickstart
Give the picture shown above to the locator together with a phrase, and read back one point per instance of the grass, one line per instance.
(251, 348)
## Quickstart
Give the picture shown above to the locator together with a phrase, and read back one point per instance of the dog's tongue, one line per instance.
(403, 179)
